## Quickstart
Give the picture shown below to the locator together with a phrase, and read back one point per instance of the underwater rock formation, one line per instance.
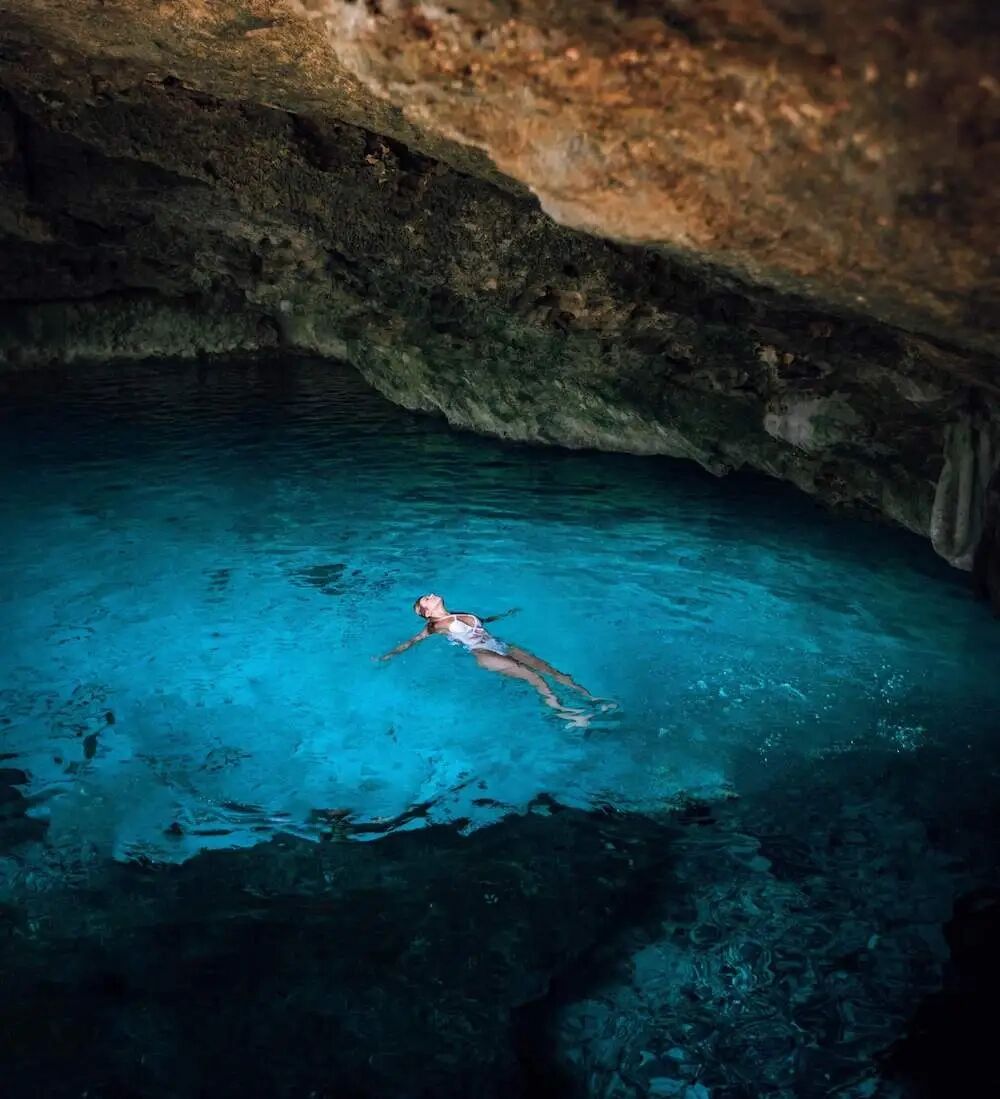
(812, 294)
(802, 923)
(774, 943)
(391, 969)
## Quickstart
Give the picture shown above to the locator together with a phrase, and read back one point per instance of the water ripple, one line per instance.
(214, 554)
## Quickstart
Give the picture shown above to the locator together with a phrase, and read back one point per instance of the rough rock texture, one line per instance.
(845, 146)
(195, 178)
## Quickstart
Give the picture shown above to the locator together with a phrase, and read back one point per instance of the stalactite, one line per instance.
(971, 456)
(986, 562)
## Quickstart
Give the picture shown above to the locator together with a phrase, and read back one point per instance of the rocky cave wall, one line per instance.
(195, 179)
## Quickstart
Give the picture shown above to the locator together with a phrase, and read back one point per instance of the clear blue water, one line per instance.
(201, 562)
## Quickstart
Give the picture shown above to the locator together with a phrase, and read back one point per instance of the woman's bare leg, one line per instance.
(529, 660)
(508, 666)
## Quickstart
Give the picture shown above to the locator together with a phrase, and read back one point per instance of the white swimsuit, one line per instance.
(474, 637)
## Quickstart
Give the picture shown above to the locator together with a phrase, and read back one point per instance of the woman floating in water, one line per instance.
(493, 654)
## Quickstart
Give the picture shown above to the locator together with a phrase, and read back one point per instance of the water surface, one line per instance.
(201, 562)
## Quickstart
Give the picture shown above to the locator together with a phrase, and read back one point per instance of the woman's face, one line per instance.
(430, 606)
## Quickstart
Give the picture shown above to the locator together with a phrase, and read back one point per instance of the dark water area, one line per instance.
(240, 856)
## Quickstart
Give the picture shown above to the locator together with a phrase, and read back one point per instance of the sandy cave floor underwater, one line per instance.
(201, 563)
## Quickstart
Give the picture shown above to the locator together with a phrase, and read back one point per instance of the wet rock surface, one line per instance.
(216, 181)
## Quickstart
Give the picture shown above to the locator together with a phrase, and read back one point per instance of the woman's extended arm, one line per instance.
(403, 646)
(497, 617)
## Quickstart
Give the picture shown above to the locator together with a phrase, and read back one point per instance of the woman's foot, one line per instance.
(605, 705)
(579, 719)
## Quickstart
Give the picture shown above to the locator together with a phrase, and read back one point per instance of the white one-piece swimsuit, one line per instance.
(474, 637)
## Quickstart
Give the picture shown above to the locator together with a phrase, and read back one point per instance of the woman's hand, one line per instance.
(497, 617)
(401, 648)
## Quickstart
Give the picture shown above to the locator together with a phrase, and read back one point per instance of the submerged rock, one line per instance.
(382, 970)
(769, 944)
(789, 975)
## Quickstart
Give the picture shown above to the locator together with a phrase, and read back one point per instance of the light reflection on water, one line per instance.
(201, 562)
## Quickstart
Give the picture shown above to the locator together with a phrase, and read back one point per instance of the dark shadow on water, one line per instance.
(949, 1047)
(434, 965)
(295, 968)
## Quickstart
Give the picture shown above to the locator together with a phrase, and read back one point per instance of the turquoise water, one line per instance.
(201, 562)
